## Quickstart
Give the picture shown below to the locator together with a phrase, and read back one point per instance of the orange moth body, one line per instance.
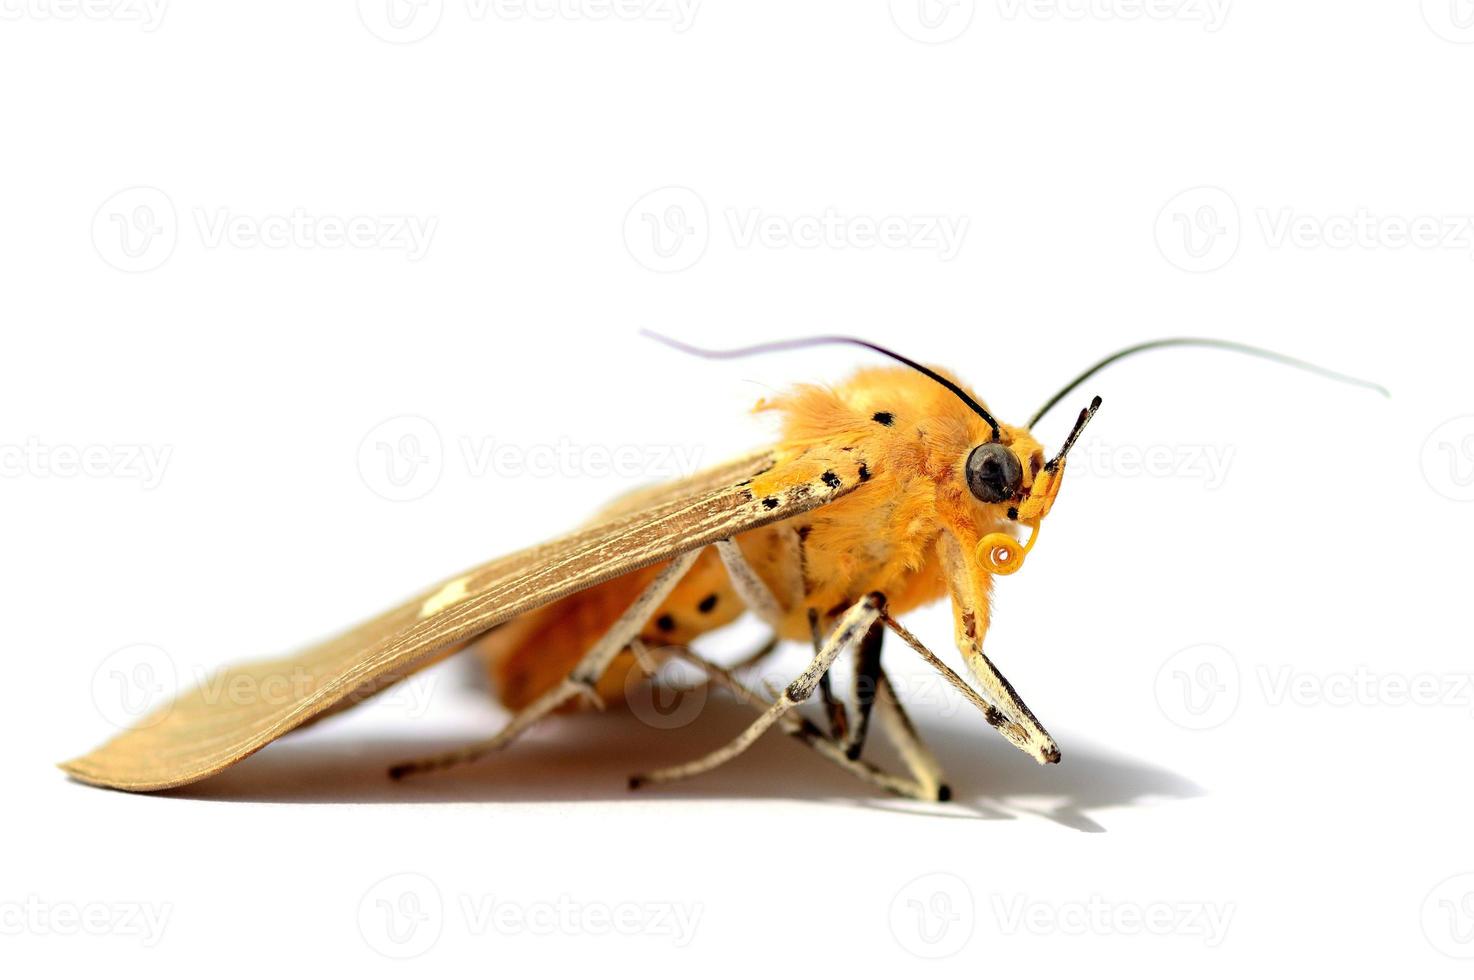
(904, 438)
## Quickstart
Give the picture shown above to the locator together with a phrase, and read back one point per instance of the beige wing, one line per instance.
(213, 726)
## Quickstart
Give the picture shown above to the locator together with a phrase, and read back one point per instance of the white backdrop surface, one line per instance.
(307, 306)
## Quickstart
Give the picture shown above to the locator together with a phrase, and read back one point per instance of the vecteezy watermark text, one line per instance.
(403, 458)
(939, 233)
(134, 686)
(404, 915)
(1201, 230)
(117, 461)
(301, 229)
(138, 229)
(1211, 14)
(408, 21)
(147, 14)
(669, 229)
(1100, 916)
(1202, 686)
(35, 916)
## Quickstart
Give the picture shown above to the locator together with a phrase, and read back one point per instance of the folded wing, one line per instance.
(212, 727)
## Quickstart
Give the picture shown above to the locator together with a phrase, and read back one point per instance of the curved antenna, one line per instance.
(1211, 342)
(781, 345)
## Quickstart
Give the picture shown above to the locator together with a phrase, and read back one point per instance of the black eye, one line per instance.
(993, 473)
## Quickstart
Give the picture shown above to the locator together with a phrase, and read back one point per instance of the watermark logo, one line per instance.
(670, 695)
(401, 21)
(1448, 459)
(132, 684)
(933, 916)
(932, 21)
(1199, 688)
(667, 229)
(136, 229)
(1199, 229)
(1448, 917)
(1452, 20)
(401, 459)
(401, 916)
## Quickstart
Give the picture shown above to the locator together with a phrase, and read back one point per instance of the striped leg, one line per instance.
(803, 731)
(580, 681)
(866, 683)
(756, 595)
(902, 734)
(850, 627)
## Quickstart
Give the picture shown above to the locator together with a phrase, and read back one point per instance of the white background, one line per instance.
(1294, 788)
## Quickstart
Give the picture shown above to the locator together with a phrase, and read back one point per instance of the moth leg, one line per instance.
(756, 595)
(839, 722)
(1006, 726)
(795, 562)
(793, 539)
(852, 625)
(580, 681)
(867, 681)
(902, 734)
(806, 733)
(970, 617)
(750, 588)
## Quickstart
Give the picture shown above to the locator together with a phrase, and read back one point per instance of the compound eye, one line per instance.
(993, 473)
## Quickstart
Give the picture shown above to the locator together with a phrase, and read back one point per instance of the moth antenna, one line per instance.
(782, 345)
(1086, 414)
(1211, 342)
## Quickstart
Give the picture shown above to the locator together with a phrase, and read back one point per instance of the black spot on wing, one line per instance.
(884, 418)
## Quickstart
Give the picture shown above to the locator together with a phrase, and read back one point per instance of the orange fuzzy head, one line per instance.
(934, 466)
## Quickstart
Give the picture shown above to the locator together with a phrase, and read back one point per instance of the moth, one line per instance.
(893, 489)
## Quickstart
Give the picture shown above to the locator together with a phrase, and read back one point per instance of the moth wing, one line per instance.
(214, 726)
